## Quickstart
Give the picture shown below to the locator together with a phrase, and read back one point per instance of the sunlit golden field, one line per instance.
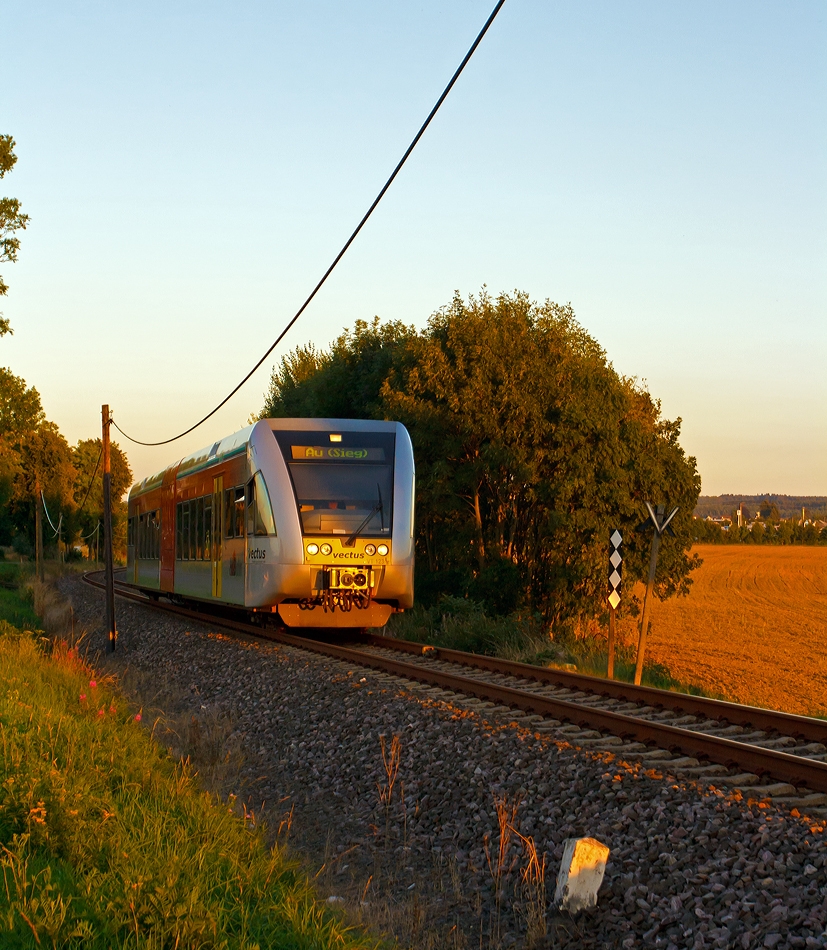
(754, 627)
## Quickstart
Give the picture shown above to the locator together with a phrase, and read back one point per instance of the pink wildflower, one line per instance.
(101, 712)
(83, 697)
(112, 709)
(137, 717)
(93, 684)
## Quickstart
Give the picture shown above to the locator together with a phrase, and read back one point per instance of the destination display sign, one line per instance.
(336, 453)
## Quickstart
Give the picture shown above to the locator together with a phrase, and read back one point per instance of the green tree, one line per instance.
(529, 447)
(342, 383)
(87, 492)
(20, 415)
(45, 466)
(11, 221)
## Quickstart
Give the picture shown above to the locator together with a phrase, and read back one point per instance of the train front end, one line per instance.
(343, 491)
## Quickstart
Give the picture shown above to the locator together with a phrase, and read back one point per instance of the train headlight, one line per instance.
(360, 579)
(346, 579)
(326, 549)
(382, 549)
(312, 549)
(370, 549)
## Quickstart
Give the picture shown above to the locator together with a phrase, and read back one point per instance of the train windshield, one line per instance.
(343, 480)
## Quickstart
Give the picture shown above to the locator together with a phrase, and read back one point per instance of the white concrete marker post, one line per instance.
(581, 874)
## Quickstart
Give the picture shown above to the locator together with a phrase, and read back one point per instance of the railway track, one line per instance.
(762, 753)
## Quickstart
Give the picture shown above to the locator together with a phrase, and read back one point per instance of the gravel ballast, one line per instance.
(690, 865)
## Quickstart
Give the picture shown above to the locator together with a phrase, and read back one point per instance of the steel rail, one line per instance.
(798, 727)
(793, 769)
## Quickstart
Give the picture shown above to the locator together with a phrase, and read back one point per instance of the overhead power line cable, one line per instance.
(46, 510)
(347, 243)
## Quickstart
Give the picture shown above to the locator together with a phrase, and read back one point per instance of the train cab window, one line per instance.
(179, 532)
(341, 486)
(260, 521)
(130, 531)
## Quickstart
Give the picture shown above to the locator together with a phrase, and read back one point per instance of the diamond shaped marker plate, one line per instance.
(616, 538)
(614, 578)
(614, 599)
(615, 558)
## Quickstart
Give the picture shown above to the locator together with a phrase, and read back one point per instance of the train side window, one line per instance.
(191, 535)
(130, 531)
(239, 512)
(259, 510)
(199, 529)
(179, 534)
(187, 529)
(229, 519)
(251, 508)
(158, 535)
(208, 527)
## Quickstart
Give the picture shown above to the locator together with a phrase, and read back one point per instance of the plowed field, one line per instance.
(753, 629)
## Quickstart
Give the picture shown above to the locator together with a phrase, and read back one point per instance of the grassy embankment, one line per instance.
(106, 841)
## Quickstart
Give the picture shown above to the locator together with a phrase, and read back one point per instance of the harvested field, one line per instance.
(753, 629)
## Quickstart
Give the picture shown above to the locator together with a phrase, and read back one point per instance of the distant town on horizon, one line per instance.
(788, 506)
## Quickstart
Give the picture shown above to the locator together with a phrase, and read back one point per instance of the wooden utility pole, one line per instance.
(109, 567)
(660, 524)
(38, 531)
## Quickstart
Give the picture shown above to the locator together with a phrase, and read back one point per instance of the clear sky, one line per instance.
(191, 169)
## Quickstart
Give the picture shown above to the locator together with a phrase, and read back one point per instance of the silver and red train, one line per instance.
(307, 519)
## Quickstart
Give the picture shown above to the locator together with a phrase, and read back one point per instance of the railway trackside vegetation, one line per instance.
(529, 449)
(107, 841)
(16, 601)
(462, 624)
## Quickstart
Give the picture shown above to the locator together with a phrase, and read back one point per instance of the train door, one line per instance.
(217, 533)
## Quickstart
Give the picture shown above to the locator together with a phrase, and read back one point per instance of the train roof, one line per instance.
(237, 443)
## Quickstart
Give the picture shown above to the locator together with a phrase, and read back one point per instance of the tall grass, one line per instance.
(106, 841)
(16, 603)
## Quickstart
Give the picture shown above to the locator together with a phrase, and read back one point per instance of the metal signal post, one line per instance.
(615, 583)
(109, 568)
(653, 521)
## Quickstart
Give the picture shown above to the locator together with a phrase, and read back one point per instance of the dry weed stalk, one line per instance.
(286, 824)
(534, 890)
(499, 867)
(391, 758)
